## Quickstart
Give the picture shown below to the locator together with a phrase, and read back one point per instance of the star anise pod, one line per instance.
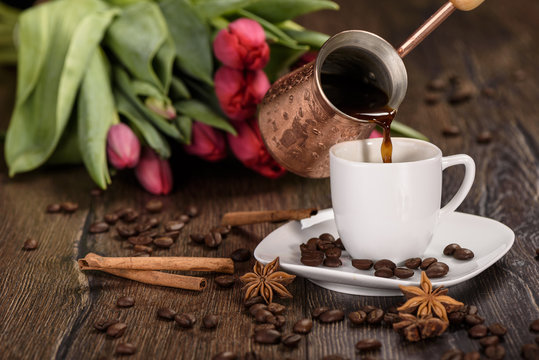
(417, 328)
(428, 300)
(264, 280)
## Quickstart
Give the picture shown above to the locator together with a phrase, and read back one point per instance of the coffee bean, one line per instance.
(456, 317)
(473, 319)
(403, 273)
(192, 211)
(330, 316)
(166, 313)
(253, 309)
(338, 243)
(318, 311)
(312, 243)
(125, 301)
(102, 325)
(530, 351)
(478, 331)
(225, 281)
(185, 320)
(450, 130)
(362, 264)
(116, 330)
(225, 355)
(463, 90)
(30, 244)
(241, 255)
(473, 355)
(452, 354)
(174, 225)
(125, 349)
(222, 229)
(210, 321)
(303, 326)
(126, 231)
(69, 206)
(265, 326)
(534, 326)
(484, 137)
(303, 247)
(143, 248)
(326, 237)
(213, 240)
(332, 262)
(197, 238)
(99, 227)
(130, 216)
(53, 208)
(384, 272)
(312, 258)
(437, 270)
(163, 242)
(496, 352)
(276, 309)
(153, 233)
(489, 340)
(267, 337)
(333, 253)
(140, 240)
(154, 206)
(472, 309)
(391, 318)
(324, 245)
(432, 98)
(142, 227)
(463, 254)
(384, 263)
(291, 340)
(280, 320)
(412, 263)
(254, 300)
(375, 316)
(357, 317)
(497, 329)
(111, 219)
(368, 308)
(184, 218)
(450, 249)
(263, 315)
(438, 83)
(368, 344)
(427, 262)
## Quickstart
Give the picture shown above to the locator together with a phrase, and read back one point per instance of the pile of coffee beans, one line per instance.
(323, 249)
(188, 320)
(531, 351)
(213, 238)
(458, 252)
(67, 207)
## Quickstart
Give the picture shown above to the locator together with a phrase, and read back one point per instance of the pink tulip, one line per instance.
(206, 142)
(123, 147)
(375, 134)
(242, 45)
(153, 173)
(249, 148)
(240, 91)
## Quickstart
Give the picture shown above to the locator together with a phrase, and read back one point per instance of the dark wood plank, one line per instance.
(49, 307)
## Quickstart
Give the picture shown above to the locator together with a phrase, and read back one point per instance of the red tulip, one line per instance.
(123, 147)
(153, 172)
(249, 148)
(206, 142)
(240, 91)
(242, 45)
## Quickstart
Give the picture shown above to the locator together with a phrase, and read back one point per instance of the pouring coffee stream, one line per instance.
(358, 80)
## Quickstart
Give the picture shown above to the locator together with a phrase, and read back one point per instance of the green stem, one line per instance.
(407, 131)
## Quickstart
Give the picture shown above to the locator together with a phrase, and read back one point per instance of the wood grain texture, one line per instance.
(47, 307)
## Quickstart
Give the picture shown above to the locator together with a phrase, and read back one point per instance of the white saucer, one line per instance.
(487, 238)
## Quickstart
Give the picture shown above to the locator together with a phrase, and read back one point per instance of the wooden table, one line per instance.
(47, 307)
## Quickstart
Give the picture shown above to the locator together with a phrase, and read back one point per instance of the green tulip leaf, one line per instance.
(306, 37)
(139, 38)
(178, 89)
(201, 112)
(213, 8)
(280, 61)
(57, 40)
(191, 39)
(185, 125)
(276, 11)
(96, 114)
(67, 151)
(399, 129)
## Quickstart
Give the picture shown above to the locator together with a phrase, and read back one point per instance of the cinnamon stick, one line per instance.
(255, 217)
(222, 265)
(158, 278)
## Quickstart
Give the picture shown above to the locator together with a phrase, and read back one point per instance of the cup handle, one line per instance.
(467, 182)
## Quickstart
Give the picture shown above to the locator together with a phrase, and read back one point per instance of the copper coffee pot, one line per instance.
(297, 121)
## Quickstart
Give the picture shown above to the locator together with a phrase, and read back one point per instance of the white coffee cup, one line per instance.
(391, 210)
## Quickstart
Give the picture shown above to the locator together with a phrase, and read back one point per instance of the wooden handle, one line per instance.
(466, 5)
